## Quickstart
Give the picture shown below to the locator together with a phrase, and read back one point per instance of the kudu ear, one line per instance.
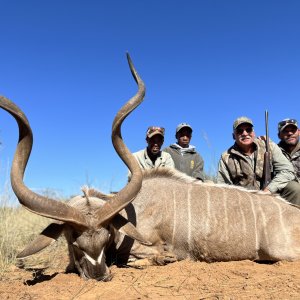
(48, 236)
(127, 228)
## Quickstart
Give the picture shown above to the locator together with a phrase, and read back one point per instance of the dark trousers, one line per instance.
(291, 192)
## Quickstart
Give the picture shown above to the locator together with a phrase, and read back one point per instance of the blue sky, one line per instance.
(203, 62)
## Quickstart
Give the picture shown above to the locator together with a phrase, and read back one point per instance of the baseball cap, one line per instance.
(286, 122)
(153, 130)
(241, 120)
(182, 125)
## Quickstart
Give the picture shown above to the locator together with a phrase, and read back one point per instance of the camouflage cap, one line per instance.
(153, 130)
(286, 122)
(182, 125)
(241, 120)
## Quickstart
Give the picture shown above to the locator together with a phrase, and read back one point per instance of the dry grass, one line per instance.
(17, 228)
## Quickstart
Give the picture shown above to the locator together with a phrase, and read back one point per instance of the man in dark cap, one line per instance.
(288, 132)
(184, 155)
(242, 164)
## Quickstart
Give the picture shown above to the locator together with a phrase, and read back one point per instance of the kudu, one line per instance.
(174, 216)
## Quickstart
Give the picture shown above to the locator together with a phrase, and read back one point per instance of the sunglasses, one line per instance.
(288, 121)
(289, 129)
(154, 129)
(241, 130)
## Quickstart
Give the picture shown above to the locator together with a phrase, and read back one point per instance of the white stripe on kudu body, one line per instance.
(243, 221)
(189, 217)
(264, 237)
(224, 194)
(174, 216)
(208, 219)
(254, 229)
(282, 225)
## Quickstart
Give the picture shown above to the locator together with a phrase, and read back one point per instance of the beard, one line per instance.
(292, 140)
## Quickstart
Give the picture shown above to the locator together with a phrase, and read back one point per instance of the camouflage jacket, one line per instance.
(247, 171)
(293, 157)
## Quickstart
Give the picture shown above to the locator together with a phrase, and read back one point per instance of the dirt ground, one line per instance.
(180, 280)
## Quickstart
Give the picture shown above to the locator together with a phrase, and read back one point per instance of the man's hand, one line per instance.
(262, 137)
(266, 191)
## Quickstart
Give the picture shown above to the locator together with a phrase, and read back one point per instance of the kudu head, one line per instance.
(89, 223)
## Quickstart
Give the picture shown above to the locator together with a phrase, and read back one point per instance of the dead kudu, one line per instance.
(162, 215)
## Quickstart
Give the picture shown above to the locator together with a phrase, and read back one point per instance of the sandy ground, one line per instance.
(180, 280)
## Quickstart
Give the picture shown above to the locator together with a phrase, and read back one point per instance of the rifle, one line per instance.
(267, 165)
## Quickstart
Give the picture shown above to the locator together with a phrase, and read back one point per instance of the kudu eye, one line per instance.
(75, 244)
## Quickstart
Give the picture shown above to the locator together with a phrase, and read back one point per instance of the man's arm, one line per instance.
(169, 161)
(199, 167)
(223, 174)
(282, 168)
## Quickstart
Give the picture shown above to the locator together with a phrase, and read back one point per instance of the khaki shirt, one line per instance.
(164, 160)
(282, 169)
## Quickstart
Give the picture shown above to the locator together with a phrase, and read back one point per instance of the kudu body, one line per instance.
(210, 222)
(172, 216)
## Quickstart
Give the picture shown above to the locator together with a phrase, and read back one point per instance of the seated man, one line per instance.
(152, 156)
(185, 156)
(289, 133)
(242, 164)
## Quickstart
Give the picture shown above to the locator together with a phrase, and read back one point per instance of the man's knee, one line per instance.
(291, 192)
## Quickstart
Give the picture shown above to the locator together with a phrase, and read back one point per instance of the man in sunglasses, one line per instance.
(288, 132)
(185, 156)
(152, 156)
(242, 164)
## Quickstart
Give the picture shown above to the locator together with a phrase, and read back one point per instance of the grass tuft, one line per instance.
(18, 227)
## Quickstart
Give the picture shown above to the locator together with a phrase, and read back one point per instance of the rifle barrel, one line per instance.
(267, 130)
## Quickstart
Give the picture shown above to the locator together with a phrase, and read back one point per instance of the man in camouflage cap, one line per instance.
(242, 164)
(152, 156)
(289, 133)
